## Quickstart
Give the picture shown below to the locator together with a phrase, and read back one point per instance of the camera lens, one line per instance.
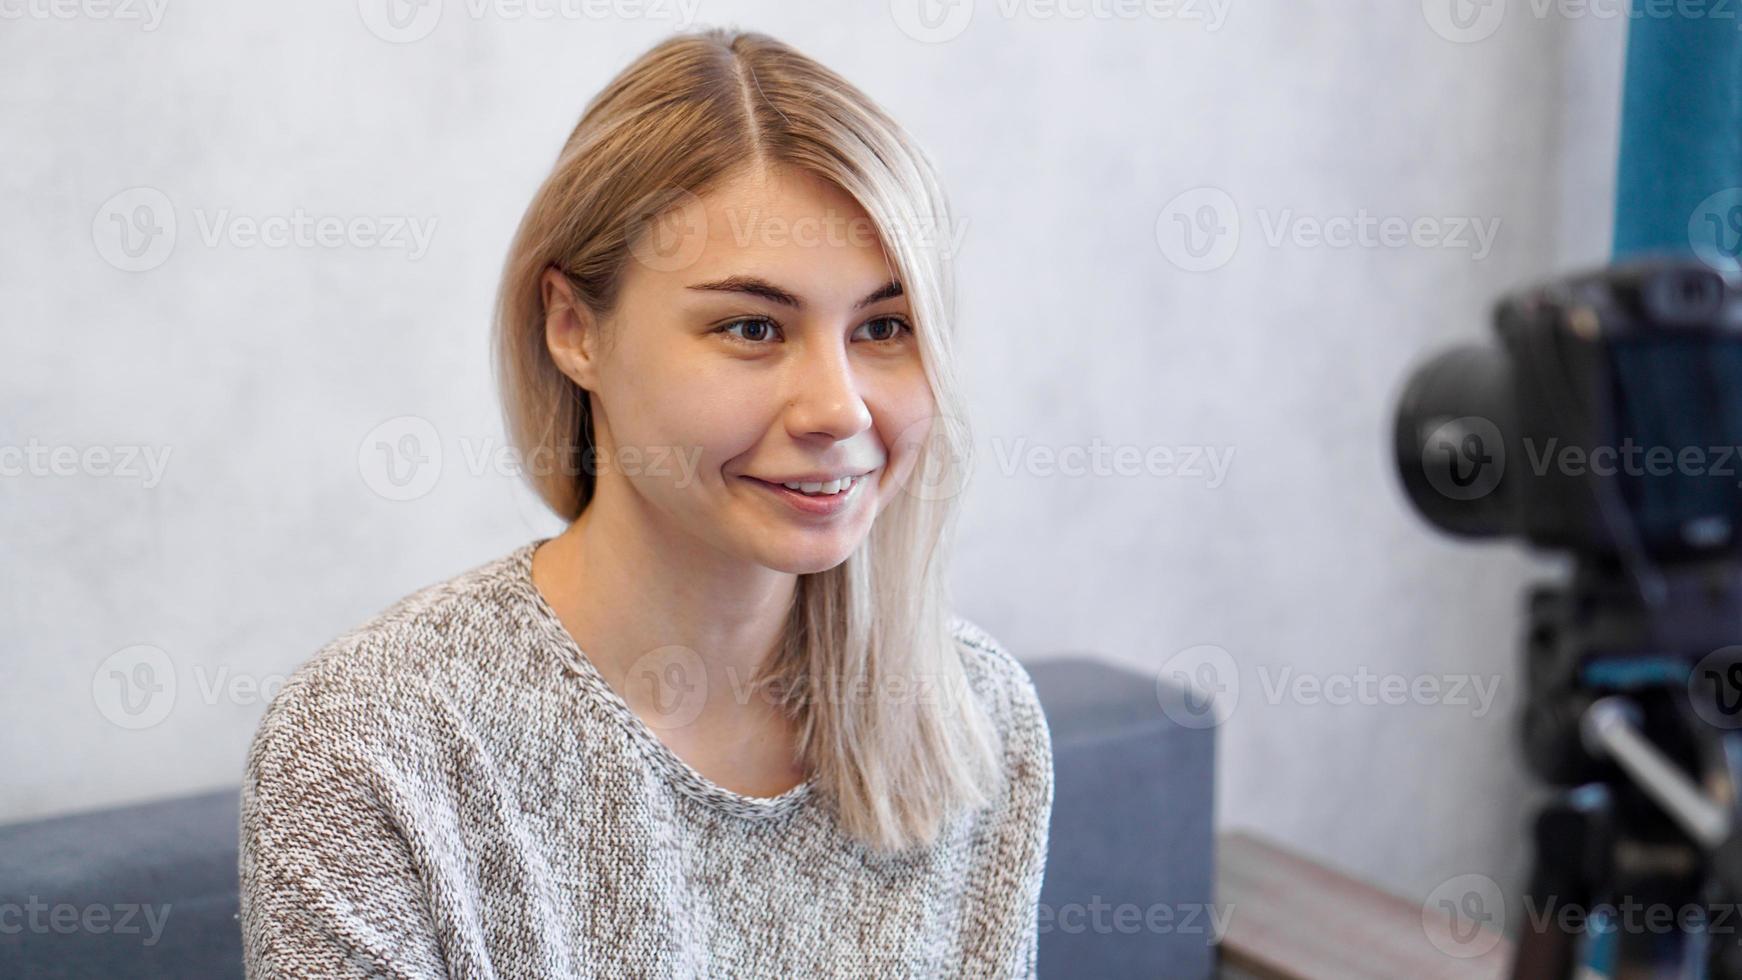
(1683, 296)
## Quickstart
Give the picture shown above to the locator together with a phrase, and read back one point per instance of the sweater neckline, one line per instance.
(681, 774)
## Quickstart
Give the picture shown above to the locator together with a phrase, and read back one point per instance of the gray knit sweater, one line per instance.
(452, 789)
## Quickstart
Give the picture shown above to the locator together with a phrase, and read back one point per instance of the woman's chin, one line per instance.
(805, 553)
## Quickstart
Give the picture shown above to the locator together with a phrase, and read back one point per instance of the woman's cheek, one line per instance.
(707, 433)
(906, 434)
(683, 403)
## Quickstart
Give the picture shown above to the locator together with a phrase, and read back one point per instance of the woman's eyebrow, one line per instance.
(757, 286)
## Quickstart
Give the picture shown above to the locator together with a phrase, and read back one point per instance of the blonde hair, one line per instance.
(688, 113)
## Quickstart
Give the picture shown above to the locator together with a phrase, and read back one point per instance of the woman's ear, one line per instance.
(570, 329)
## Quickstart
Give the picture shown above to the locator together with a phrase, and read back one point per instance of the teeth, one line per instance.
(821, 489)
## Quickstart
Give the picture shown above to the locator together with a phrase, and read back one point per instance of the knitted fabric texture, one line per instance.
(452, 789)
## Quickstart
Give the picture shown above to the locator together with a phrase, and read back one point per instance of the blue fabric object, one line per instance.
(87, 889)
(1678, 186)
(1130, 870)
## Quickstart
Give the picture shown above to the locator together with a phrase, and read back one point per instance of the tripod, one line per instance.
(1637, 864)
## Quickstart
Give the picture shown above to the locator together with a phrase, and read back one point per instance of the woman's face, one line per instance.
(758, 339)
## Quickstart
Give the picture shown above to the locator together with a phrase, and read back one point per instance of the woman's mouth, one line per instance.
(818, 499)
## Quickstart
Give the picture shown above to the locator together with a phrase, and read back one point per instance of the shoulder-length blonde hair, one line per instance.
(869, 667)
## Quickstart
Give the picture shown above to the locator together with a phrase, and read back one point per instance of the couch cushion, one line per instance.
(136, 891)
(1129, 874)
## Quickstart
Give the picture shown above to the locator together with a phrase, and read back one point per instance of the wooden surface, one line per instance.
(1290, 918)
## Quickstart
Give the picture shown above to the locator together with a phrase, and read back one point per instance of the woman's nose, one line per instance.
(825, 397)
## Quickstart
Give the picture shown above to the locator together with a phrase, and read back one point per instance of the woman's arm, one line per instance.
(328, 885)
(1038, 816)
(1023, 817)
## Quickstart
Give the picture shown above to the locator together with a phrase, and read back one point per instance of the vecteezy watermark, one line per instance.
(670, 228)
(922, 688)
(1200, 687)
(490, 456)
(35, 459)
(1464, 917)
(38, 917)
(407, 233)
(944, 452)
(1469, 21)
(402, 459)
(1630, 458)
(1200, 229)
(1715, 687)
(1626, 914)
(1476, 691)
(134, 687)
(1631, 916)
(148, 14)
(937, 21)
(752, 226)
(1102, 918)
(137, 686)
(136, 230)
(1464, 21)
(1465, 458)
(1102, 459)
(1715, 230)
(667, 230)
(670, 686)
(405, 21)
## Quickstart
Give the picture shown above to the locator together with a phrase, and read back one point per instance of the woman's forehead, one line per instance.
(801, 233)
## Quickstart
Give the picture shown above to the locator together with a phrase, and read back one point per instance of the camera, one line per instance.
(1605, 422)
(1604, 425)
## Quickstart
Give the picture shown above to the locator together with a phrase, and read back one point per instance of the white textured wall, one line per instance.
(260, 370)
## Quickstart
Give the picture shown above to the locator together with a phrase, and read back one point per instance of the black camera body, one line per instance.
(1606, 422)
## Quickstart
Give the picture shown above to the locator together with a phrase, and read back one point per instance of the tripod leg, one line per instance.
(1571, 837)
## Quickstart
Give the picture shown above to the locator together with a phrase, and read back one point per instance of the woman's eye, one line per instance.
(756, 330)
(759, 330)
(887, 329)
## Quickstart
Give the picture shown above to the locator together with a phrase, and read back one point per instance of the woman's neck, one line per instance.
(624, 589)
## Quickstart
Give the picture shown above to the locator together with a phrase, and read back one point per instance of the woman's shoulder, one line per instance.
(1001, 678)
(383, 668)
(1008, 691)
(423, 623)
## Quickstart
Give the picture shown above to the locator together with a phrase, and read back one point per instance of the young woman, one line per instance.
(724, 725)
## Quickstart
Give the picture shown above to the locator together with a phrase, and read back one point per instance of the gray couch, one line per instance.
(1130, 853)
